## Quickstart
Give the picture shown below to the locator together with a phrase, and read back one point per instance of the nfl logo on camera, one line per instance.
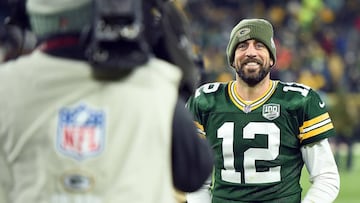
(271, 111)
(81, 132)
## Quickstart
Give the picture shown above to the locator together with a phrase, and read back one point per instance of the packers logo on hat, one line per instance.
(243, 32)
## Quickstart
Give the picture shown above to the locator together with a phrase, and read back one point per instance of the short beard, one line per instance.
(253, 80)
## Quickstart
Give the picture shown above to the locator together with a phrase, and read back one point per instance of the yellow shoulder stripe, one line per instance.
(315, 120)
(315, 126)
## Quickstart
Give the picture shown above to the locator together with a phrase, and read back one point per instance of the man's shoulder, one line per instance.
(298, 95)
(295, 90)
(212, 89)
(164, 68)
(209, 95)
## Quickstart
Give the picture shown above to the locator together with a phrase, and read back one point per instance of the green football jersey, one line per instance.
(257, 144)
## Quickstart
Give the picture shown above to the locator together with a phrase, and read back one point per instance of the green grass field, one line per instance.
(349, 180)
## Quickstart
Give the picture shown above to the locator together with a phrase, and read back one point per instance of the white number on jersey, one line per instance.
(296, 87)
(229, 174)
(208, 88)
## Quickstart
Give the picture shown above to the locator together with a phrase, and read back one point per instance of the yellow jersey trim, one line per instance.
(315, 126)
(250, 106)
(200, 129)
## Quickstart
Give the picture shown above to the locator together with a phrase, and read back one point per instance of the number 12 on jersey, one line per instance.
(251, 176)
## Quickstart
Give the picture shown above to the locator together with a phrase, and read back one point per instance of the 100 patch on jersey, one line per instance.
(271, 111)
(81, 132)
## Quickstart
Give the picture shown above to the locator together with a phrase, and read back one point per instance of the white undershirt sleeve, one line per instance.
(324, 176)
(202, 195)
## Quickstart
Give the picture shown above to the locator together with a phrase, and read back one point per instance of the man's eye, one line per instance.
(260, 45)
(241, 46)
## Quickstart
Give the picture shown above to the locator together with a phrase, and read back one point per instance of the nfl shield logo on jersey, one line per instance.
(81, 132)
(271, 111)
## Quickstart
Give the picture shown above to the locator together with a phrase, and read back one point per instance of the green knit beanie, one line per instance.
(258, 29)
(48, 17)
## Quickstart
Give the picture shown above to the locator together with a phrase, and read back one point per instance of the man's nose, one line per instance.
(251, 51)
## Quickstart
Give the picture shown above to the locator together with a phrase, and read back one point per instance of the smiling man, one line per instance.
(263, 131)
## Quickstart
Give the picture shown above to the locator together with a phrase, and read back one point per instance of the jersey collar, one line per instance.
(250, 106)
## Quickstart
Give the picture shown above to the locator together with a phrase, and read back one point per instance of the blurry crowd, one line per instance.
(317, 41)
(318, 44)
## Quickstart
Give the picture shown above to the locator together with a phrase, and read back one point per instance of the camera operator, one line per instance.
(94, 114)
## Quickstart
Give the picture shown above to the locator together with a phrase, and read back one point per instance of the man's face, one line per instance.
(252, 61)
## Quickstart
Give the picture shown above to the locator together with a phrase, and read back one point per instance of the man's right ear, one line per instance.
(271, 63)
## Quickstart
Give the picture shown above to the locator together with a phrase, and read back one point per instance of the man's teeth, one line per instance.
(252, 64)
